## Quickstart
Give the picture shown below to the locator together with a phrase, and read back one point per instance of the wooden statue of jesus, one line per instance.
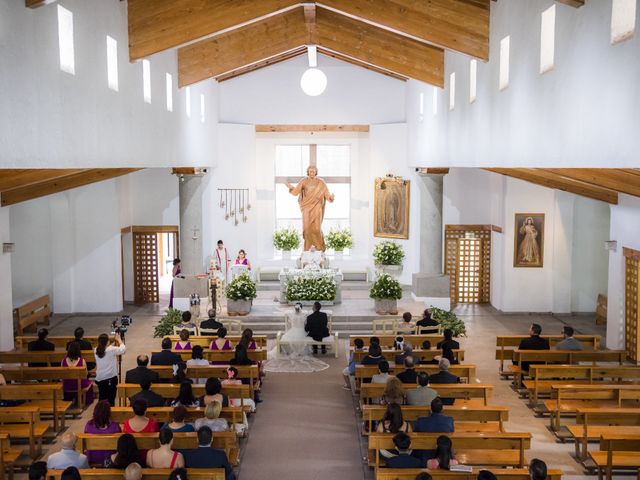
(312, 195)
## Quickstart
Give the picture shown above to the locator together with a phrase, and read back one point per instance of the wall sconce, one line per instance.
(8, 247)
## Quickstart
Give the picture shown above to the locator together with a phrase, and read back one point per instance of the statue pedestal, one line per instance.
(432, 289)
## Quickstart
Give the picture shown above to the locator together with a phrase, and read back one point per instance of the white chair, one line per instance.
(192, 330)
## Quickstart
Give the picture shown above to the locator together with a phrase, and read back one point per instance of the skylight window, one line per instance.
(112, 63)
(473, 80)
(169, 82)
(146, 80)
(547, 39)
(65, 40)
(623, 20)
(504, 62)
(452, 91)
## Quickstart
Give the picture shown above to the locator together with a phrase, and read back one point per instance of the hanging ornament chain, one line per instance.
(236, 204)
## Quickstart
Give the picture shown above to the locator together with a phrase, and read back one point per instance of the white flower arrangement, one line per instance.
(388, 253)
(242, 288)
(340, 239)
(305, 287)
(286, 239)
(385, 287)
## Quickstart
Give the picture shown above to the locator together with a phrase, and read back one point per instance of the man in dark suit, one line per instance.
(404, 459)
(409, 375)
(40, 345)
(166, 356)
(426, 322)
(206, 456)
(211, 323)
(316, 326)
(443, 376)
(436, 422)
(141, 373)
(534, 342)
(148, 395)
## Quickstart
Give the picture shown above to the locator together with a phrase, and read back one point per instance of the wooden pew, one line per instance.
(250, 372)
(507, 344)
(487, 449)
(205, 340)
(8, 456)
(50, 359)
(23, 422)
(463, 391)
(500, 473)
(258, 355)
(387, 341)
(47, 396)
(21, 341)
(617, 452)
(226, 441)
(467, 419)
(591, 423)
(24, 375)
(170, 390)
(31, 313)
(147, 474)
(165, 414)
(566, 399)
(418, 354)
(466, 372)
(543, 376)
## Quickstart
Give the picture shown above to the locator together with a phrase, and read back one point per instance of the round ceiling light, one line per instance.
(313, 82)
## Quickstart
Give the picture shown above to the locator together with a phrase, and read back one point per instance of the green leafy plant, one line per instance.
(171, 318)
(303, 288)
(388, 253)
(339, 239)
(449, 321)
(242, 288)
(386, 287)
(286, 239)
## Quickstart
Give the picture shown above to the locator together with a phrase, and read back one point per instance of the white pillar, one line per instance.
(190, 192)
(6, 297)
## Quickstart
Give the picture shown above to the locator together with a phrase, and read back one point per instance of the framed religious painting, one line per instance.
(529, 240)
(391, 207)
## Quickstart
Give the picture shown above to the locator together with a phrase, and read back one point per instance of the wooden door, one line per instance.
(145, 267)
(631, 304)
(469, 270)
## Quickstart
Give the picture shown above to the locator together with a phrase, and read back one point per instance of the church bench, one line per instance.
(593, 422)
(617, 452)
(418, 354)
(50, 358)
(463, 391)
(467, 419)
(170, 391)
(46, 396)
(388, 341)
(165, 414)
(8, 456)
(331, 344)
(502, 449)
(226, 441)
(543, 376)
(250, 372)
(23, 422)
(465, 372)
(32, 313)
(22, 341)
(566, 399)
(257, 355)
(507, 344)
(147, 474)
(500, 473)
(205, 340)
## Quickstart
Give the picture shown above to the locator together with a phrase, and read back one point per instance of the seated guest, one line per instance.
(403, 459)
(242, 259)
(407, 351)
(185, 396)
(101, 423)
(393, 392)
(40, 345)
(177, 423)
(436, 422)
(486, 475)
(444, 454)
(67, 457)
(133, 472)
(221, 343)
(537, 469)
(70, 386)
(197, 360)
(212, 418)
(70, 473)
(422, 394)
(183, 343)
(383, 373)
(409, 375)
(406, 327)
(180, 374)
(374, 356)
(211, 323)
(350, 369)
(534, 342)
(140, 423)
(449, 355)
(213, 392)
(8, 403)
(444, 377)
(38, 471)
(232, 379)
(126, 453)
(393, 422)
(317, 327)
(426, 345)
(205, 456)
(374, 341)
(569, 343)
(166, 356)
(426, 322)
(186, 321)
(142, 373)
(246, 340)
(164, 456)
(241, 357)
(448, 341)
(78, 335)
(151, 398)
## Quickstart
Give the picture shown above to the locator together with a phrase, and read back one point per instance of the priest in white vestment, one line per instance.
(221, 257)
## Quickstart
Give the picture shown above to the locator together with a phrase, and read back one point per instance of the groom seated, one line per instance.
(317, 328)
(313, 259)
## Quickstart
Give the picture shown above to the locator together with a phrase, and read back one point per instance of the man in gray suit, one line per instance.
(422, 394)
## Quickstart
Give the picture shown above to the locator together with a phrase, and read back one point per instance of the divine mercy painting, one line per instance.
(391, 207)
(529, 240)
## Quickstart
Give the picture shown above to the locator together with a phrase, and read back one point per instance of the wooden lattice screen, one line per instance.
(469, 282)
(145, 267)
(631, 304)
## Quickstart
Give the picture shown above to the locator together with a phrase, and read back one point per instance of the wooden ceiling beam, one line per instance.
(610, 178)
(159, 25)
(55, 185)
(572, 3)
(552, 180)
(37, 3)
(358, 63)
(460, 25)
(262, 128)
(262, 63)
(14, 178)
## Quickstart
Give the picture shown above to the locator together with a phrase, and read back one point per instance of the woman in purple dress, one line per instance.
(220, 343)
(183, 343)
(101, 423)
(176, 271)
(70, 387)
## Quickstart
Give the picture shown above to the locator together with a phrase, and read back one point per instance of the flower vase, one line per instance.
(286, 254)
(395, 270)
(386, 306)
(238, 307)
(338, 254)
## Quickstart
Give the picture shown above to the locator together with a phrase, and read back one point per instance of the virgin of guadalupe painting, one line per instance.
(529, 240)
(391, 207)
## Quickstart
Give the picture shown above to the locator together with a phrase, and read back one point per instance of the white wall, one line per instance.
(149, 197)
(6, 306)
(52, 118)
(583, 113)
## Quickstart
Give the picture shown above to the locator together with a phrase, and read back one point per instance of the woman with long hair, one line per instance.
(185, 396)
(393, 392)
(174, 273)
(127, 453)
(100, 424)
(107, 366)
(181, 374)
(70, 386)
(393, 422)
(247, 340)
(443, 458)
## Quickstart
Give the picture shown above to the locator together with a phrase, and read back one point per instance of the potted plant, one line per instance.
(286, 239)
(388, 256)
(240, 294)
(386, 291)
(310, 289)
(339, 240)
(449, 321)
(171, 318)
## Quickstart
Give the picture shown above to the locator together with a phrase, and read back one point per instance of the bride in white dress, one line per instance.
(294, 355)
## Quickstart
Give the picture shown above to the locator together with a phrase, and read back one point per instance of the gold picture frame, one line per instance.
(391, 207)
(528, 243)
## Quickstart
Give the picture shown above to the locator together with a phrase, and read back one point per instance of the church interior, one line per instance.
(457, 172)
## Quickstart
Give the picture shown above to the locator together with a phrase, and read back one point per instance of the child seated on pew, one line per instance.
(350, 369)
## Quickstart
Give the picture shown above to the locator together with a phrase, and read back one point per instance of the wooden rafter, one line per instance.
(37, 3)
(310, 128)
(262, 63)
(16, 178)
(359, 63)
(612, 178)
(572, 3)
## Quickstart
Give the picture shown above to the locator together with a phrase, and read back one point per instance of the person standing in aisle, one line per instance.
(107, 366)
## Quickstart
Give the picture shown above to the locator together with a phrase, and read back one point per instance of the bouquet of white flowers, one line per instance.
(241, 288)
(304, 288)
(286, 239)
(339, 239)
(386, 287)
(388, 253)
